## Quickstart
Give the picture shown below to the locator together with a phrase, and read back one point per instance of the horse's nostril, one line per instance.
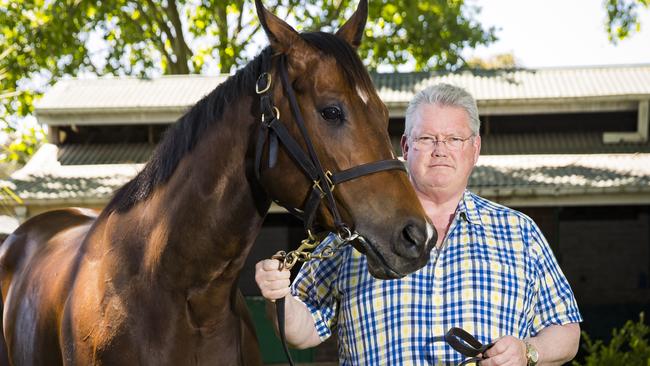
(411, 241)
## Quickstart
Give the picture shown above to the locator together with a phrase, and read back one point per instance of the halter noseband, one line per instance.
(323, 181)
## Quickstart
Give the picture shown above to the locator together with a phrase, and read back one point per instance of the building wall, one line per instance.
(605, 255)
(604, 252)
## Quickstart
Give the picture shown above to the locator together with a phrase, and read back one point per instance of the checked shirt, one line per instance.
(494, 276)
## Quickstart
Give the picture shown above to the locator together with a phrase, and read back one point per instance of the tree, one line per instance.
(45, 40)
(498, 61)
(431, 33)
(623, 17)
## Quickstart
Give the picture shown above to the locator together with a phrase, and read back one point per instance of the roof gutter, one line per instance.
(641, 134)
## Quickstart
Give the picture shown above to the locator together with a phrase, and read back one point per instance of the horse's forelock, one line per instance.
(346, 56)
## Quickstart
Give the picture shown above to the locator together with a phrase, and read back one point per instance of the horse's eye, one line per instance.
(332, 114)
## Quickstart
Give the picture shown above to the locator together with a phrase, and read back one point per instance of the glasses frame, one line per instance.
(432, 142)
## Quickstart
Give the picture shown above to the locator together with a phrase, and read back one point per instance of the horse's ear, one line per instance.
(281, 35)
(352, 30)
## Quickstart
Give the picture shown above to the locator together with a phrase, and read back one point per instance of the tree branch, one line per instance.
(156, 40)
(182, 50)
(162, 23)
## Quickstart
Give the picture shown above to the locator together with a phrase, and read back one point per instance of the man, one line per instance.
(492, 272)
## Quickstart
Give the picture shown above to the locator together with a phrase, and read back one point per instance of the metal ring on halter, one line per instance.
(311, 236)
(276, 111)
(268, 83)
(345, 234)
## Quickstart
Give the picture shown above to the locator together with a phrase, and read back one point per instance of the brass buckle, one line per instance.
(328, 177)
(268, 83)
(276, 111)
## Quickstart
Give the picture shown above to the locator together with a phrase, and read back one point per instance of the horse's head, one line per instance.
(346, 126)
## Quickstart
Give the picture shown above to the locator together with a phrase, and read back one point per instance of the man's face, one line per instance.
(438, 167)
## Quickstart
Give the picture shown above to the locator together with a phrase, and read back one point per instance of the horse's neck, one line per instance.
(195, 231)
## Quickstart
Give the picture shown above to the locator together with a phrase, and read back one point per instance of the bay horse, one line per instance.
(151, 280)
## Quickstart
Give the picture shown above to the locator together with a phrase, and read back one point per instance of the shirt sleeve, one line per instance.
(316, 286)
(555, 304)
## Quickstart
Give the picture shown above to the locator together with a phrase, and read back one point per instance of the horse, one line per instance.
(151, 279)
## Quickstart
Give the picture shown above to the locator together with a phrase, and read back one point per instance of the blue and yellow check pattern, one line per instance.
(495, 275)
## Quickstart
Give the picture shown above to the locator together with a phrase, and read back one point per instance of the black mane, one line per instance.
(182, 136)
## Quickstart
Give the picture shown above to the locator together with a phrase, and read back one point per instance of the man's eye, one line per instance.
(332, 114)
(455, 139)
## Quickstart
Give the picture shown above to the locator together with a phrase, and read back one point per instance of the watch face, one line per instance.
(531, 355)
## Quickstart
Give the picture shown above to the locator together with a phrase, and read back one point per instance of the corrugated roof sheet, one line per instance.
(128, 92)
(394, 88)
(554, 175)
(545, 83)
(47, 187)
(77, 154)
(565, 173)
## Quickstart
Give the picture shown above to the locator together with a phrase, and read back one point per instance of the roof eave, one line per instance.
(566, 196)
(522, 106)
(103, 116)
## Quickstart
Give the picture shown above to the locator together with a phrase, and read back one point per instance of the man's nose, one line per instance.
(439, 149)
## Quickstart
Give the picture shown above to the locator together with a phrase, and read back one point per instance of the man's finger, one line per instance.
(275, 294)
(276, 284)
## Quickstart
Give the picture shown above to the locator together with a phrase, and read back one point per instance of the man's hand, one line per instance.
(299, 323)
(507, 351)
(273, 282)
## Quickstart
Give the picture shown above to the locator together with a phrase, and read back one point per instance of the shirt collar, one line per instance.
(467, 209)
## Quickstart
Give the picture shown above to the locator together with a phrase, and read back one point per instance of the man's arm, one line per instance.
(555, 344)
(300, 329)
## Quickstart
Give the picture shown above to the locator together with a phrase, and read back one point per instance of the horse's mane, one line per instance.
(182, 136)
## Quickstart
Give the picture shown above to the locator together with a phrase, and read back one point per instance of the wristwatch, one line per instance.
(531, 355)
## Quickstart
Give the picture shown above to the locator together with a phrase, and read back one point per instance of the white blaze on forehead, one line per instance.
(362, 94)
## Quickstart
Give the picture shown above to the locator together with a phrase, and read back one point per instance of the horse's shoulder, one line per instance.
(38, 230)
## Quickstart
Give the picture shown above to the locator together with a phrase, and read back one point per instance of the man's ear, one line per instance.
(404, 143)
(352, 30)
(280, 34)
(477, 146)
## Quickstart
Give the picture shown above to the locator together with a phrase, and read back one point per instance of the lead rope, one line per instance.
(303, 254)
(465, 344)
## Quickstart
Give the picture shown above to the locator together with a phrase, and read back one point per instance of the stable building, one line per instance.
(567, 146)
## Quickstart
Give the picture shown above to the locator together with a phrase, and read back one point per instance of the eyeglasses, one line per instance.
(427, 143)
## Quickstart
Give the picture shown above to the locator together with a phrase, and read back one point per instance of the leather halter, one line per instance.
(273, 130)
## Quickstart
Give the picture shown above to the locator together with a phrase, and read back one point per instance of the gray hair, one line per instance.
(444, 95)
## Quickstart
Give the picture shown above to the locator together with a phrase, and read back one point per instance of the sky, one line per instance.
(549, 33)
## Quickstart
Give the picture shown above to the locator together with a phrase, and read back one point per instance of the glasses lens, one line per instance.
(454, 143)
